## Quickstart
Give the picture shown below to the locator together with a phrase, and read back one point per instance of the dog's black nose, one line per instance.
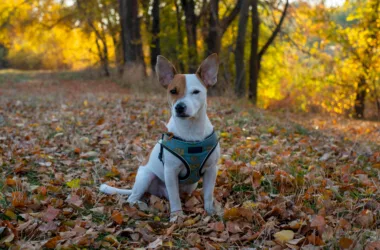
(180, 108)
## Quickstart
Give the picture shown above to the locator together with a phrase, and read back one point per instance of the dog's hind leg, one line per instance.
(144, 179)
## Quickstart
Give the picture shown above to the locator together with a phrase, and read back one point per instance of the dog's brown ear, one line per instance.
(208, 71)
(165, 71)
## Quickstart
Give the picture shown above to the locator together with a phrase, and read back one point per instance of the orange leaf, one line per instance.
(117, 217)
(52, 243)
(18, 199)
(232, 213)
(256, 179)
(315, 240)
(11, 182)
(345, 243)
(100, 121)
(42, 190)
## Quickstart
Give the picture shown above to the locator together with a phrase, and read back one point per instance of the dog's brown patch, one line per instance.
(177, 88)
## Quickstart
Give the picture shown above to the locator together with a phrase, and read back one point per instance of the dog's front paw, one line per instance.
(177, 216)
(209, 207)
(210, 210)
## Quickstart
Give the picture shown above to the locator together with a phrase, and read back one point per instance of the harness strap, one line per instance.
(160, 155)
(208, 155)
(182, 160)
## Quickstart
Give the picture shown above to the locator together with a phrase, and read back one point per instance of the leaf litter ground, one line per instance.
(286, 181)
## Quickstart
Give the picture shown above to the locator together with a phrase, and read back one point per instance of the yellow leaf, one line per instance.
(284, 236)
(253, 163)
(224, 134)
(75, 183)
(85, 103)
(249, 204)
(376, 165)
(189, 222)
(11, 214)
(58, 129)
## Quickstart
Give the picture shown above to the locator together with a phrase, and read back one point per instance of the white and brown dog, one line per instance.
(170, 171)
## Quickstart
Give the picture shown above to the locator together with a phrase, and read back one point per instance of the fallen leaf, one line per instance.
(233, 227)
(319, 223)
(50, 214)
(373, 246)
(52, 243)
(284, 236)
(155, 244)
(117, 217)
(217, 226)
(345, 243)
(365, 218)
(19, 199)
(75, 183)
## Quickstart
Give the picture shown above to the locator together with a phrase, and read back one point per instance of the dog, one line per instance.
(190, 150)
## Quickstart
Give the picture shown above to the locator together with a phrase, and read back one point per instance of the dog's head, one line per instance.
(187, 92)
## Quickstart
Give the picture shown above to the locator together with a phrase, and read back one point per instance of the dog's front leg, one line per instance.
(209, 179)
(172, 186)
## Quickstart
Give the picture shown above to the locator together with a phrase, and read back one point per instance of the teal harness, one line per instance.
(193, 154)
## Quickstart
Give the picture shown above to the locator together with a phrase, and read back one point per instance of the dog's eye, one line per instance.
(173, 91)
(196, 92)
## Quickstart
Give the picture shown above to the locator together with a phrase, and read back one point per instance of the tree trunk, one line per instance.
(256, 57)
(130, 32)
(360, 98)
(240, 84)
(179, 36)
(218, 27)
(213, 39)
(191, 31)
(155, 44)
(254, 64)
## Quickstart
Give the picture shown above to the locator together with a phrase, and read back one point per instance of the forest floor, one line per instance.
(286, 181)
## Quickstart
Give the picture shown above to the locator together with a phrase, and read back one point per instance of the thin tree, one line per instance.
(155, 43)
(239, 49)
(180, 45)
(130, 33)
(217, 26)
(191, 32)
(256, 55)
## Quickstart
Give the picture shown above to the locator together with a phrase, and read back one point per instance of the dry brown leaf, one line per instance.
(373, 246)
(233, 227)
(319, 223)
(50, 214)
(217, 226)
(345, 243)
(365, 218)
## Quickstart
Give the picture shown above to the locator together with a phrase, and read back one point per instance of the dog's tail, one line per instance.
(104, 188)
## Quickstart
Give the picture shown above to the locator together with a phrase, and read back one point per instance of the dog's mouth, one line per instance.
(183, 116)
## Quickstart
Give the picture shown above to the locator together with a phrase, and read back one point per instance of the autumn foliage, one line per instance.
(282, 183)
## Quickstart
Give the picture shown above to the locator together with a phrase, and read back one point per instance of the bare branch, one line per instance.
(275, 32)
